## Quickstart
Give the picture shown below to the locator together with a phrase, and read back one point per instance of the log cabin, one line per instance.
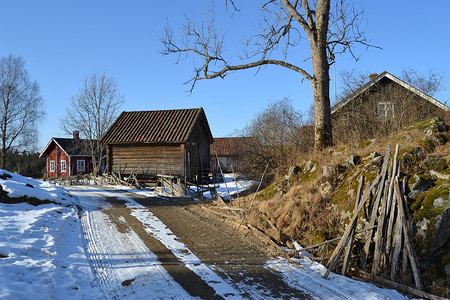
(385, 103)
(173, 143)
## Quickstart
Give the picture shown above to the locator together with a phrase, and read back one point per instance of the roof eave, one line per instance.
(396, 80)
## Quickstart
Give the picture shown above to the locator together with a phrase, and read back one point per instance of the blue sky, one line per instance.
(64, 42)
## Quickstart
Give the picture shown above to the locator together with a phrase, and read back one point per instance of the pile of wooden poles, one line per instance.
(390, 227)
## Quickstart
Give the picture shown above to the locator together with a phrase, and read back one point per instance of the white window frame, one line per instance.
(63, 166)
(385, 110)
(81, 165)
(52, 166)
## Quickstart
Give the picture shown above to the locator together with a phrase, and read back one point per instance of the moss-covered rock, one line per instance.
(433, 162)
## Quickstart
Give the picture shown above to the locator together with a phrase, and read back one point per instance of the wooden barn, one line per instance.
(173, 143)
(67, 156)
(383, 104)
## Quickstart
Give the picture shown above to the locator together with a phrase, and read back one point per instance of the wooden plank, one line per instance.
(295, 252)
(348, 251)
(400, 287)
(397, 247)
(379, 241)
(375, 208)
(336, 258)
(408, 241)
(347, 231)
(391, 205)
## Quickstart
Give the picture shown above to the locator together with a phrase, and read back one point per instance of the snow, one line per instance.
(18, 186)
(55, 251)
(309, 278)
(233, 183)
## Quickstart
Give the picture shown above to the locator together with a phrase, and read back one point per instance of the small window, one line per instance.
(80, 166)
(385, 110)
(63, 166)
(52, 166)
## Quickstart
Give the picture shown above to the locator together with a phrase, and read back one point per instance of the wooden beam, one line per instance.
(408, 241)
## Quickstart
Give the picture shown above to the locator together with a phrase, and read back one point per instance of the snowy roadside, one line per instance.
(41, 250)
(45, 254)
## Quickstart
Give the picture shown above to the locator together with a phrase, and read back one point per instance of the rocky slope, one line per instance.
(315, 200)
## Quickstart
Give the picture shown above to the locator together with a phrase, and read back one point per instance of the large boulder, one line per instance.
(352, 161)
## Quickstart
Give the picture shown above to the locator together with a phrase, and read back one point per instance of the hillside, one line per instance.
(315, 200)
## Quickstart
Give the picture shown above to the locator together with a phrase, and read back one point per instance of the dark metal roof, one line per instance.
(160, 126)
(72, 147)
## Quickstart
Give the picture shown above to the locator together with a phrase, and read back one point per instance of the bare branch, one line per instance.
(284, 24)
(21, 106)
(92, 111)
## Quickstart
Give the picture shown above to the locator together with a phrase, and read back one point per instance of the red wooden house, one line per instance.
(66, 157)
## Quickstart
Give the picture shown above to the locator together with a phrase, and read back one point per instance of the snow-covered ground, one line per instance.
(50, 252)
(231, 186)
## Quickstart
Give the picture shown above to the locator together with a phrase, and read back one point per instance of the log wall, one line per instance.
(146, 159)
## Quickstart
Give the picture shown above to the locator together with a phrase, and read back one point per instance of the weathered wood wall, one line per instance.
(141, 159)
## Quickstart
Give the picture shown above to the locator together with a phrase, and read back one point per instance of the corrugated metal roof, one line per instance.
(158, 126)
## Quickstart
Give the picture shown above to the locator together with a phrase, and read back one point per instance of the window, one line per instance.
(385, 110)
(80, 166)
(63, 166)
(52, 166)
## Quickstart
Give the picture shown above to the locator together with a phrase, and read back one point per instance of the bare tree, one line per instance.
(21, 106)
(92, 111)
(431, 83)
(329, 29)
(279, 136)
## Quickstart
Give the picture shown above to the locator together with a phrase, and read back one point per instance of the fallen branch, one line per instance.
(398, 286)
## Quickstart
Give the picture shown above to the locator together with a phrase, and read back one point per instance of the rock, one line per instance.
(294, 170)
(352, 161)
(437, 125)
(433, 162)
(373, 155)
(440, 139)
(421, 184)
(447, 269)
(439, 202)
(442, 233)
(328, 171)
(326, 190)
(413, 194)
(422, 227)
(439, 175)
(310, 166)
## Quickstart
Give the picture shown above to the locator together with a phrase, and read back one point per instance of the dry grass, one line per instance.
(301, 215)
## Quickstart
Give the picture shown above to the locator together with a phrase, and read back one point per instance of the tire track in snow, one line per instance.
(123, 265)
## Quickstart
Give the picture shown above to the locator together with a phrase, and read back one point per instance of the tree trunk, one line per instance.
(323, 137)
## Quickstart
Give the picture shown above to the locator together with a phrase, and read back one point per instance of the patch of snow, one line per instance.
(308, 276)
(42, 254)
(234, 185)
(301, 253)
(18, 186)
